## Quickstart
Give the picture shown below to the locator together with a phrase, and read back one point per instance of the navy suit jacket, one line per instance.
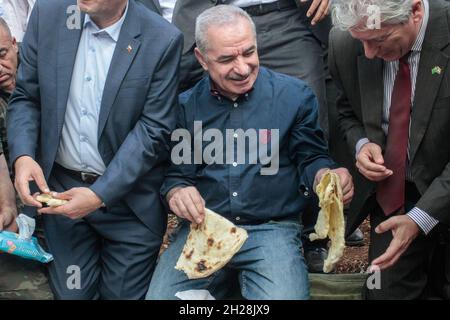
(137, 111)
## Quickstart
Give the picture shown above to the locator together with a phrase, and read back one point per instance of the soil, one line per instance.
(356, 259)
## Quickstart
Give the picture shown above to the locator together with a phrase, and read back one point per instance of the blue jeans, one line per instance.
(269, 265)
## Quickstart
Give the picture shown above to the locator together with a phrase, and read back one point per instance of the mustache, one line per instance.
(239, 77)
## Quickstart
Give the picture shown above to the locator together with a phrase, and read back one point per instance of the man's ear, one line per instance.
(201, 58)
(14, 44)
(418, 11)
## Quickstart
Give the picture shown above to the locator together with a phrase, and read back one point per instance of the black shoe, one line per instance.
(356, 239)
(315, 258)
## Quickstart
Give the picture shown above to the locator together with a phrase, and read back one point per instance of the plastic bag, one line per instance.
(23, 244)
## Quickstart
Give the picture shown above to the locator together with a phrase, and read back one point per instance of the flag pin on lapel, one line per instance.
(436, 70)
(129, 48)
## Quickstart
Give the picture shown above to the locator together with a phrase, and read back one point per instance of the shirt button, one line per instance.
(235, 194)
(306, 193)
(84, 166)
(235, 135)
(92, 49)
(234, 164)
(238, 218)
(83, 112)
(88, 78)
(235, 105)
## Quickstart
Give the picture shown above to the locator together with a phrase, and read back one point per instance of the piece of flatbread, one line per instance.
(50, 201)
(330, 222)
(210, 245)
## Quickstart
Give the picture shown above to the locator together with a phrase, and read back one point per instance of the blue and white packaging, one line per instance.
(24, 244)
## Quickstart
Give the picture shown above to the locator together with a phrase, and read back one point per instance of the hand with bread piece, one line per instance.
(187, 203)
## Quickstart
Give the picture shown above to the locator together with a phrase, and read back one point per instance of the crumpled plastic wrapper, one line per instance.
(23, 244)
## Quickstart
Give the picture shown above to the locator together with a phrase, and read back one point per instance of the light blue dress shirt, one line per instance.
(78, 147)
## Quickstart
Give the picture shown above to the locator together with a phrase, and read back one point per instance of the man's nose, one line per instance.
(370, 49)
(241, 67)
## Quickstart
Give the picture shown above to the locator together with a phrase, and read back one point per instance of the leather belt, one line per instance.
(261, 9)
(253, 222)
(86, 177)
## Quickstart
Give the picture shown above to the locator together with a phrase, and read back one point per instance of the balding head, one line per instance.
(8, 58)
(4, 27)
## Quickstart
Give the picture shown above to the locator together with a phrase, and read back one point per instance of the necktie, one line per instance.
(391, 191)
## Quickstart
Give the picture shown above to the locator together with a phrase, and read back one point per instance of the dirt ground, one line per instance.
(355, 259)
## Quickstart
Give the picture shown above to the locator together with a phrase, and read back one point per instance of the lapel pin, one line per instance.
(436, 70)
(129, 48)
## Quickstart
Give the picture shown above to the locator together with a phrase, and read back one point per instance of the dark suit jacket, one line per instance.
(360, 107)
(137, 111)
(186, 11)
(152, 5)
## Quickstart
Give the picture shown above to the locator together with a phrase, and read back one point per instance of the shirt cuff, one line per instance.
(359, 145)
(423, 219)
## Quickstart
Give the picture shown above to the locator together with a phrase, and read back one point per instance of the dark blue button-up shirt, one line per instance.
(239, 191)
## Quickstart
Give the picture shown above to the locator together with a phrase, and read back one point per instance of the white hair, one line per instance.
(348, 14)
(218, 16)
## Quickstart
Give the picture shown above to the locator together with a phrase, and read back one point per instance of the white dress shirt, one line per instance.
(16, 14)
(167, 8)
(248, 3)
(78, 148)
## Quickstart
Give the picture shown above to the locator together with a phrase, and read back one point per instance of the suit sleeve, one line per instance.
(351, 127)
(180, 174)
(307, 145)
(148, 143)
(24, 111)
(435, 201)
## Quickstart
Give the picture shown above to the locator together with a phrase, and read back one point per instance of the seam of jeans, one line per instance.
(244, 284)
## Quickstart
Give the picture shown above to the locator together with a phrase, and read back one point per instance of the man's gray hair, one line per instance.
(4, 26)
(348, 14)
(218, 16)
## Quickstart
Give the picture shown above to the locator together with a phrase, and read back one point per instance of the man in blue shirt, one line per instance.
(240, 102)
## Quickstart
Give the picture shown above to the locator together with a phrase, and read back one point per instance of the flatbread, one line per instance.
(50, 201)
(210, 245)
(330, 222)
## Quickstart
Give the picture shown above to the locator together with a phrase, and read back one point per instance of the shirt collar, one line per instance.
(417, 47)
(215, 91)
(113, 30)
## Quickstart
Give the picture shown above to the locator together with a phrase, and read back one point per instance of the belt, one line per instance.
(86, 177)
(261, 9)
(253, 222)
